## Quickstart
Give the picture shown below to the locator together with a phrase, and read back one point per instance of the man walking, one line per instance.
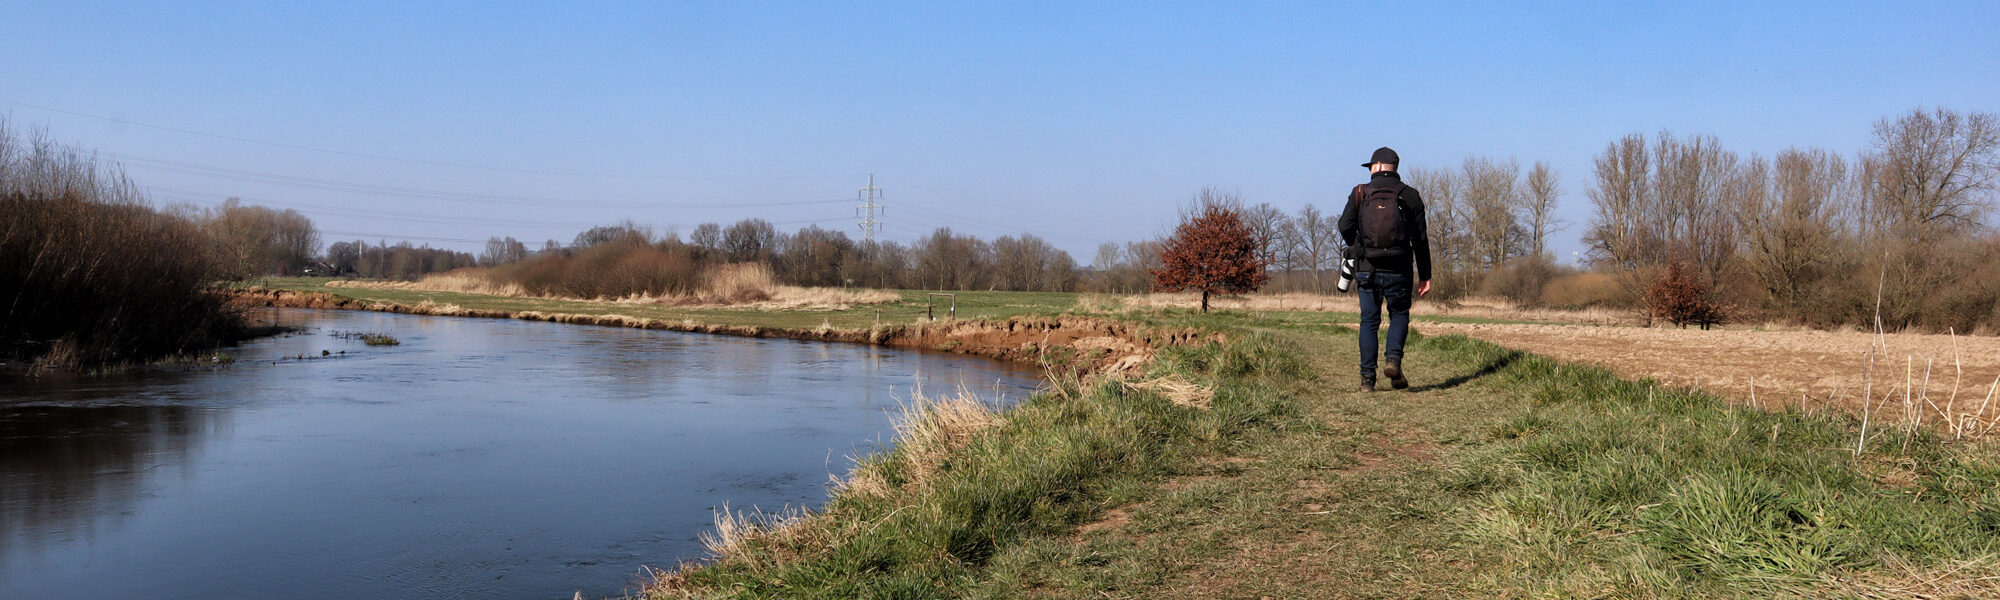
(1389, 239)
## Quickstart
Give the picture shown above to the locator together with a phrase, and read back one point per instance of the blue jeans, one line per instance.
(1376, 287)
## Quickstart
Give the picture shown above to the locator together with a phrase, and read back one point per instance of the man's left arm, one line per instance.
(1420, 237)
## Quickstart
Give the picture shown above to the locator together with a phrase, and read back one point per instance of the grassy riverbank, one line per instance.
(1251, 469)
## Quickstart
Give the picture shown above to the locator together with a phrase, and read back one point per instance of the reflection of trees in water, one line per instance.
(64, 470)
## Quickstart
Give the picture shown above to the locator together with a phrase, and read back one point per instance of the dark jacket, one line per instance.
(1419, 230)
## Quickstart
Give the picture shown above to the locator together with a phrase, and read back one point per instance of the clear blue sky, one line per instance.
(1081, 122)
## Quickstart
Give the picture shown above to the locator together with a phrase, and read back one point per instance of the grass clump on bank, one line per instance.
(922, 520)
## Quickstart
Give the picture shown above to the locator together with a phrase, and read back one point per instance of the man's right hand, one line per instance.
(1423, 288)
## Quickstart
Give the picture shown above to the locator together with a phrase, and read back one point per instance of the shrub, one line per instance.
(1679, 298)
(1583, 290)
(617, 269)
(89, 274)
(1521, 280)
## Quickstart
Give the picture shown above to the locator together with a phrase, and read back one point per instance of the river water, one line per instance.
(481, 458)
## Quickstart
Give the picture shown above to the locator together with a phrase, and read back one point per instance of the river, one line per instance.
(480, 458)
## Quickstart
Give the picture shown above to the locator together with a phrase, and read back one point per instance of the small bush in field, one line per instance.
(1679, 298)
(1521, 280)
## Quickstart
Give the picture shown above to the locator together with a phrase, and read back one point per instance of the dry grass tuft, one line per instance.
(1176, 390)
(1897, 578)
(740, 283)
(930, 429)
(428, 307)
(735, 528)
(933, 427)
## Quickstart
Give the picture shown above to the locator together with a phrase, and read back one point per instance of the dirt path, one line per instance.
(1821, 367)
(1350, 507)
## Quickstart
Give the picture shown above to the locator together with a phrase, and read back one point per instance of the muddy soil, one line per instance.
(1818, 368)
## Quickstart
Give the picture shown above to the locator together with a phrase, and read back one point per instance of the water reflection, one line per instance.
(66, 471)
(480, 458)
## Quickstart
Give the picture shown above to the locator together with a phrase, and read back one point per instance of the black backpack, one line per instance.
(1384, 227)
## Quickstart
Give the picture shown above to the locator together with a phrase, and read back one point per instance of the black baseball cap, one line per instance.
(1382, 155)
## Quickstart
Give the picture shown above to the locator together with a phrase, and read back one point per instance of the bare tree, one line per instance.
(1691, 178)
(1544, 187)
(814, 256)
(1018, 262)
(1492, 205)
(945, 261)
(1211, 196)
(294, 242)
(749, 240)
(1787, 211)
(1107, 257)
(1933, 172)
(343, 256)
(1316, 242)
(240, 233)
(502, 251)
(1620, 232)
(707, 236)
(1267, 228)
(1444, 211)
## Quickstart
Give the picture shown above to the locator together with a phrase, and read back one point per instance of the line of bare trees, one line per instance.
(1485, 217)
(815, 256)
(254, 240)
(1809, 235)
(401, 260)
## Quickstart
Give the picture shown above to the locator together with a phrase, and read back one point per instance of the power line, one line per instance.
(379, 236)
(202, 197)
(421, 161)
(328, 185)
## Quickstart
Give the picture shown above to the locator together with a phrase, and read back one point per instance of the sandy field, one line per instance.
(1819, 368)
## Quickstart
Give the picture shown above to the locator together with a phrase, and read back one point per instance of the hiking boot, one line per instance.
(1395, 372)
(1367, 384)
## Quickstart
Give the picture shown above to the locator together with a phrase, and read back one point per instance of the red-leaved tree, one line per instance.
(1214, 251)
